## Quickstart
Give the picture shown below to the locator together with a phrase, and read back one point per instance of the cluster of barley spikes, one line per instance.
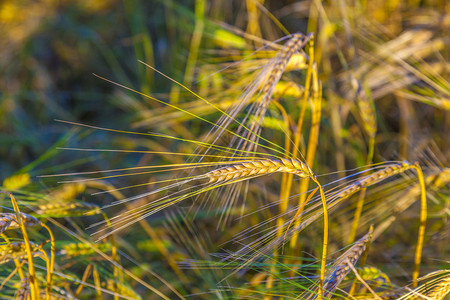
(275, 179)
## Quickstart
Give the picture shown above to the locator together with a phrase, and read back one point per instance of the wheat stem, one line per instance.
(35, 295)
(423, 220)
(325, 237)
(52, 261)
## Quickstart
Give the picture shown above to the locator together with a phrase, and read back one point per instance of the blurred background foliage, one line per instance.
(50, 49)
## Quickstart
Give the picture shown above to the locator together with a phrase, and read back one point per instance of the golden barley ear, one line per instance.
(17, 250)
(437, 288)
(9, 221)
(24, 289)
(259, 167)
(388, 171)
(265, 84)
(341, 267)
(68, 209)
(366, 109)
(81, 249)
(441, 289)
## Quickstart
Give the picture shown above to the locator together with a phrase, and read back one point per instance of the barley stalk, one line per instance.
(51, 263)
(316, 107)
(423, 220)
(121, 289)
(288, 179)
(29, 251)
(367, 112)
(87, 272)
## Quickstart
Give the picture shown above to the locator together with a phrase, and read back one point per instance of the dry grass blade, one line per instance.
(121, 289)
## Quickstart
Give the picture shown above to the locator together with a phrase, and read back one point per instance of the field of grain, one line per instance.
(225, 149)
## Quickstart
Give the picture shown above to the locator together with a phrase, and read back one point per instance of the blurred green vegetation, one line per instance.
(52, 48)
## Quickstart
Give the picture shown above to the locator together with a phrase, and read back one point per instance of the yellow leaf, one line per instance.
(9, 12)
(17, 181)
(288, 88)
(226, 39)
(68, 192)
(297, 62)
